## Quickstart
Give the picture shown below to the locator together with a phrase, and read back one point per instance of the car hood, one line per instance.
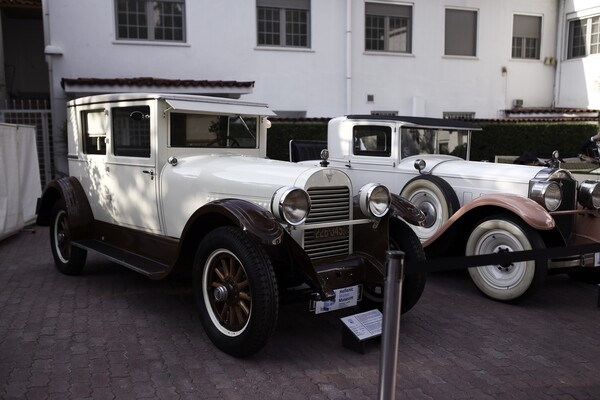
(245, 177)
(447, 166)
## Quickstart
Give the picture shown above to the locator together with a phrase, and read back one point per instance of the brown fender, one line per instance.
(404, 209)
(78, 208)
(526, 209)
(252, 219)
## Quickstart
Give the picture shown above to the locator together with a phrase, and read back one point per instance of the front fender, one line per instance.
(457, 228)
(404, 209)
(258, 223)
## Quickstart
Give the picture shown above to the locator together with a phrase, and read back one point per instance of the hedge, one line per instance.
(495, 138)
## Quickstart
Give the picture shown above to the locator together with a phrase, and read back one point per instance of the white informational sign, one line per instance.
(597, 259)
(364, 325)
(345, 297)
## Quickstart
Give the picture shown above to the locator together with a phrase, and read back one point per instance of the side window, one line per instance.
(372, 140)
(461, 33)
(218, 131)
(131, 131)
(417, 141)
(94, 131)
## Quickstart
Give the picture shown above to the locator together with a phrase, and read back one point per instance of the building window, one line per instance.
(388, 28)
(460, 115)
(283, 23)
(461, 33)
(151, 20)
(526, 37)
(584, 37)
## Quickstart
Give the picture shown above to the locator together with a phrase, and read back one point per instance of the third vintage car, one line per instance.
(471, 207)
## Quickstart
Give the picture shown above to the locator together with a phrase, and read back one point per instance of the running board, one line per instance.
(143, 265)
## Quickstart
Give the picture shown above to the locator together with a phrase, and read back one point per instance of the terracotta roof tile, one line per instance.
(148, 81)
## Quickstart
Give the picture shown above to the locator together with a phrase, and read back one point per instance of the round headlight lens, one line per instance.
(291, 205)
(547, 194)
(374, 200)
(589, 194)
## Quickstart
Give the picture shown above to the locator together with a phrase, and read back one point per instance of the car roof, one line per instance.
(420, 121)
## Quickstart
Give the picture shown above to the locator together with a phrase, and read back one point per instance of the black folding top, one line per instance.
(422, 121)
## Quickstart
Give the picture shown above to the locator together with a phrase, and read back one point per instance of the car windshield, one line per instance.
(214, 131)
(416, 141)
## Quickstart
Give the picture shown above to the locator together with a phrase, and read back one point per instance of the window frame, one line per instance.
(88, 138)
(389, 12)
(447, 35)
(588, 47)
(285, 32)
(361, 131)
(140, 151)
(150, 25)
(521, 48)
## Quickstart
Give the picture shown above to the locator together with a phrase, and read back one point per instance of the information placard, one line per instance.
(364, 325)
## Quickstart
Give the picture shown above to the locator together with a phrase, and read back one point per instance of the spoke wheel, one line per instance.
(227, 290)
(236, 291)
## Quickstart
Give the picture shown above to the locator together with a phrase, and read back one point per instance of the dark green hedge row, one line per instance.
(280, 134)
(538, 138)
(495, 139)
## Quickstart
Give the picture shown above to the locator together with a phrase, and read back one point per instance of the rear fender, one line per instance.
(80, 213)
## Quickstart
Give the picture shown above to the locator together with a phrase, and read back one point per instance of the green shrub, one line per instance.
(495, 138)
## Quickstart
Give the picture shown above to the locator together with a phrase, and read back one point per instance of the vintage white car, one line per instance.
(163, 183)
(471, 208)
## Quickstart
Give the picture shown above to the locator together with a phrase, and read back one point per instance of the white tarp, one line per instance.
(20, 185)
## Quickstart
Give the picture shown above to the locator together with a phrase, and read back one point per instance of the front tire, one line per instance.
(68, 259)
(506, 282)
(236, 292)
(403, 238)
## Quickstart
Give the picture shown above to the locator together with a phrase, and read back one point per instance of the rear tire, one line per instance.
(68, 259)
(236, 292)
(506, 282)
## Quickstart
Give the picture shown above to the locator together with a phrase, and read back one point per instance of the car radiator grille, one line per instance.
(329, 204)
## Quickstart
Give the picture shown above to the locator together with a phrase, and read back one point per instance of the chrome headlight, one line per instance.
(374, 200)
(290, 205)
(547, 193)
(589, 194)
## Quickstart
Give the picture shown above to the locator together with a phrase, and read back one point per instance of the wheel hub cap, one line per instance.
(221, 293)
(430, 213)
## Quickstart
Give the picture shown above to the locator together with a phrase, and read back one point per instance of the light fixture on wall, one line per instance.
(504, 71)
(550, 61)
(51, 50)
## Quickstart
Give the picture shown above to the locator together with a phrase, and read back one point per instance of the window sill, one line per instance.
(387, 53)
(469, 58)
(151, 43)
(285, 48)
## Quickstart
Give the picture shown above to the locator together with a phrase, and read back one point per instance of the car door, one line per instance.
(131, 173)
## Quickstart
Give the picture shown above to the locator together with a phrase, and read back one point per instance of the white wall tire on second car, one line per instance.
(504, 233)
(435, 198)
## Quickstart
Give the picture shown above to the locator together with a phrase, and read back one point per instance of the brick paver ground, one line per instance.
(113, 334)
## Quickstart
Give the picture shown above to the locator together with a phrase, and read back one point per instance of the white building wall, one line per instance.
(335, 75)
(577, 79)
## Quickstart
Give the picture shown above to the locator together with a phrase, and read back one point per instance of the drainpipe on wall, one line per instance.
(561, 22)
(348, 57)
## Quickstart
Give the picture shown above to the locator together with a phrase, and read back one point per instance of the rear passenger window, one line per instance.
(131, 131)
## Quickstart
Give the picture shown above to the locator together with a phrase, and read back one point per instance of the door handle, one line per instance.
(149, 172)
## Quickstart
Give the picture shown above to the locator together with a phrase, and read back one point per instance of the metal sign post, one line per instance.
(390, 334)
